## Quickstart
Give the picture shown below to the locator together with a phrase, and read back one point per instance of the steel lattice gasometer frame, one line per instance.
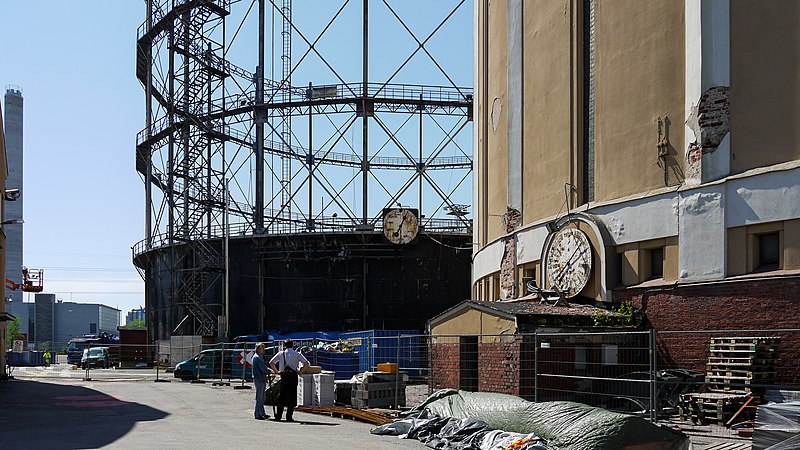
(232, 151)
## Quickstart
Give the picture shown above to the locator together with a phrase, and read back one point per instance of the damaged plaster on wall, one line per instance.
(710, 122)
(497, 109)
(701, 236)
(508, 265)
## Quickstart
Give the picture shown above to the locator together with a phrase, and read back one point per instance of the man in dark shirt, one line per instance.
(260, 372)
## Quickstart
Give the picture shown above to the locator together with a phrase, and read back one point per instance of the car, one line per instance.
(214, 363)
(96, 357)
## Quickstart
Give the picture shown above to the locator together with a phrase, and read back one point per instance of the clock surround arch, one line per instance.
(601, 242)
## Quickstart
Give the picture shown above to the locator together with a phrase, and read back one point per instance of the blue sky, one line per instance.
(84, 201)
(83, 106)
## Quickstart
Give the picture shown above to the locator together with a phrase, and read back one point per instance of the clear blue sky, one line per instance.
(83, 106)
(84, 201)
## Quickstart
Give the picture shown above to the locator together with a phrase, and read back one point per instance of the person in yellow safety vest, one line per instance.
(46, 359)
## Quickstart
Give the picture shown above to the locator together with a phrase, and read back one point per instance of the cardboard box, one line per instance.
(387, 367)
(311, 370)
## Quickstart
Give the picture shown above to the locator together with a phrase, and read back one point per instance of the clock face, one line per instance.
(569, 261)
(400, 226)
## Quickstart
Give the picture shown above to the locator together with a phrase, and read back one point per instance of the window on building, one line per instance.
(620, 267)
(528, 274)
(93, 328)
(657, 262)
(769, 251)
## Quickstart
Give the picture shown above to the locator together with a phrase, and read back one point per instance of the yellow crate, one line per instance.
(387, 367)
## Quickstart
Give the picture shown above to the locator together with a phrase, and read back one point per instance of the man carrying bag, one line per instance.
(290, 367)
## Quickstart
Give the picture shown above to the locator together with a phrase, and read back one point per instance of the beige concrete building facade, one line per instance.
(663, 133)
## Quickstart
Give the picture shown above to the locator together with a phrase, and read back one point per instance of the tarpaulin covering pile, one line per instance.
(777, 426)
(457, 434)
(460, 420)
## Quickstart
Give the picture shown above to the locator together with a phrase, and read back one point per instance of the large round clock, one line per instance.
(569, 261)
(400, 225)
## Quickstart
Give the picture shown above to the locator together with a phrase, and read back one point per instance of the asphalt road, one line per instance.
(54, 408)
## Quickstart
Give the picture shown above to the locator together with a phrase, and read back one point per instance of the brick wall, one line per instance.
(499, 368)
(508, 264)
(445, 366)
(763, 304)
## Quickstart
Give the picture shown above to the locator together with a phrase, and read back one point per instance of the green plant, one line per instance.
(138, 323)
(619, 315)
(12, 331)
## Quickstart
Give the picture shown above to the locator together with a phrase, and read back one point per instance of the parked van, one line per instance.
(95, 357)
(210, 363)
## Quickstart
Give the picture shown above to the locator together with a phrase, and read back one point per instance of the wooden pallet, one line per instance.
(739, 390)
(740, 373)
(726, 446)
(361, 415)
(710, 407)
(731, 351)
(771, 340)
(744, 380)
(744, 360)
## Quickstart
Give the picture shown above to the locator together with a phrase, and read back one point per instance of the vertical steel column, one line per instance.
(365, 115)
(397, 377)
(653, 377)
(209, 150)
(227, 219)
(258, 117)
(535, 367)
(430, 363)
(365, 160)
(286, 114)
(148, 185)
(171, 152)
(170, 194)
(186, 141)
(310, 162)
(259, 206)
(420, 163)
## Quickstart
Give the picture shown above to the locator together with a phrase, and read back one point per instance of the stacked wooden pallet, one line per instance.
(740, 365)
(710, 407)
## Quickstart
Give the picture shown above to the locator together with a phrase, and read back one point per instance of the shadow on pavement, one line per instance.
(46, 415)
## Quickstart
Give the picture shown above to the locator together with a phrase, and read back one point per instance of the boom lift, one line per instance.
(32, 281)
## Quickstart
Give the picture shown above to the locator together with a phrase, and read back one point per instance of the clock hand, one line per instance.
(563, 273)
(399, 228)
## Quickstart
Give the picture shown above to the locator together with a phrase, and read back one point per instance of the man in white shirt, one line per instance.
(289, 361)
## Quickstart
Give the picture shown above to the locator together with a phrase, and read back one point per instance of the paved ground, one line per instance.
(66, 412)
(53, 407)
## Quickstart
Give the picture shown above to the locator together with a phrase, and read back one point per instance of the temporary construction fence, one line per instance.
(348, 356)
(695, 378)
(710, 379)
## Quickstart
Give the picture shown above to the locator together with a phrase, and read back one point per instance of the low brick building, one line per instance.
(490, 346)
